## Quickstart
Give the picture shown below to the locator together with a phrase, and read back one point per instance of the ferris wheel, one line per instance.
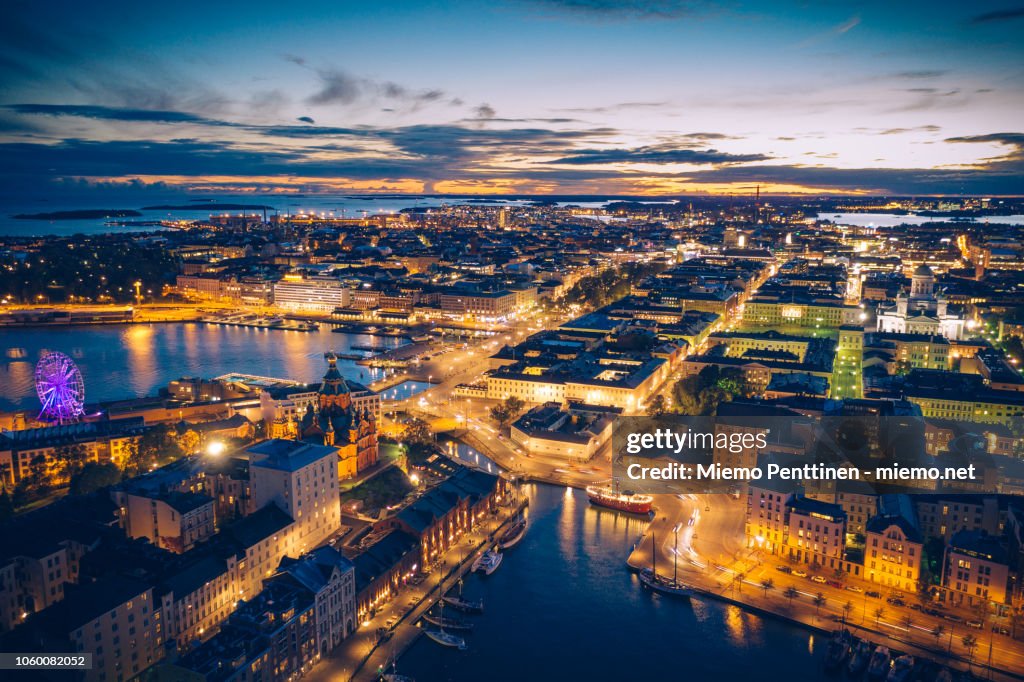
(60, 388)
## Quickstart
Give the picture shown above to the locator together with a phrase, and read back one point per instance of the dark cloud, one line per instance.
(621, 106)
(632, 9)
(111, 113)
(306, 119)
(336, 87)
(657, 155)
(484, 111)
(294, 59)
(920, 75)
(998, 16)
(340, 87)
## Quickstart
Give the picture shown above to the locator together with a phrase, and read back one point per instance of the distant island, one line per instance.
(83, 214)
(210, 207)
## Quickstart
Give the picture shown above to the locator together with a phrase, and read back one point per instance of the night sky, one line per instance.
(511, 96)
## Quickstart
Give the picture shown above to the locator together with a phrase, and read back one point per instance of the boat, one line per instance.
(859, 660)
(395, 677)
(901, 669)
(513, 535)
(488, 562)
(447, 639)
(838, 650)
(879, 666)
(609, 496)
(464, 605)
(447, 623)
(664, 585)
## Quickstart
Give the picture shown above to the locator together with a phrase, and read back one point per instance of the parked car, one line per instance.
(976, 624)
(952, 617)
(800, 574)
(784, 569)
(873, 594)
(854, 588)
(835, 583)
(819, 579)
(1001, 630)
(896, 601)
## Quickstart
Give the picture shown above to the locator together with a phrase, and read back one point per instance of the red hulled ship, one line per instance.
(610, 496)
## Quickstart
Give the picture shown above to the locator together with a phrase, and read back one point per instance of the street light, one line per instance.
(215, 448)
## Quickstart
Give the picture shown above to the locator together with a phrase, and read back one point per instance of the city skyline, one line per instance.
(531, 97)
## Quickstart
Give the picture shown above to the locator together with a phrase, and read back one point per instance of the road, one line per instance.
(713, 556)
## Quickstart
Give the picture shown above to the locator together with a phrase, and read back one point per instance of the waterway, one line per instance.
(893, 219)
(563, 606)
(128, 361)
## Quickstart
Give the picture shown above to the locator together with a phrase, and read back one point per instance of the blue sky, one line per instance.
(513, 96)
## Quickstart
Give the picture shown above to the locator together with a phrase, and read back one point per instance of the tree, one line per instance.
(6, 506)
(970, 643)
(790, 594)
(189, 442)
(69, 460)
(847, 608)
(939, 629)
(156, 446)
(819, 601)
(879, 612)
(767, 584)
(507, 410)
(93, 477)
(417, 432)
(657, 406)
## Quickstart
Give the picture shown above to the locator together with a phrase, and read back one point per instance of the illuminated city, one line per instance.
(540, 339)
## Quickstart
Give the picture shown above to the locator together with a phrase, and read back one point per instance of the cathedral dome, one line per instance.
(923, 271)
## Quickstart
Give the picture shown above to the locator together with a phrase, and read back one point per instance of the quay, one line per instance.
(365, 655)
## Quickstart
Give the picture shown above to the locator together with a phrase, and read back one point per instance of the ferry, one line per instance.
(879, 666)
(609, 496)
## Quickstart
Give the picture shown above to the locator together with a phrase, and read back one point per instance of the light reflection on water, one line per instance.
(125, 361)
(563, 606)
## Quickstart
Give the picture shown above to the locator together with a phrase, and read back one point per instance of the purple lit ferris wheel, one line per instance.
(60, 388)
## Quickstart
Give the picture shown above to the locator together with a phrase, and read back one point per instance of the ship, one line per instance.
(610, 496)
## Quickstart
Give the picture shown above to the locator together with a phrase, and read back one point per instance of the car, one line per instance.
(799, 574)
(976, 624)
(854, 588)
(873, 594)
(953, 618)
(784, 569)
(835, 583)
(896, 601)
(819, 579)
(1001, 630)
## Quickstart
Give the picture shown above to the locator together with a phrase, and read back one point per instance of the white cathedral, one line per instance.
(922, 312)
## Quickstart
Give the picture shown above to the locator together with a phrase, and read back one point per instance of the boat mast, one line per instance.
(654, 556)
(675, 557)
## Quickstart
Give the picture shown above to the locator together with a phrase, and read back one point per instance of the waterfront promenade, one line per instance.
(713, 558)
(365, 654)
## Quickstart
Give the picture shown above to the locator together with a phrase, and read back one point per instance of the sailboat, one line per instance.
(649, 576)
(447, 639)
(465, 605)
(440, 636)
